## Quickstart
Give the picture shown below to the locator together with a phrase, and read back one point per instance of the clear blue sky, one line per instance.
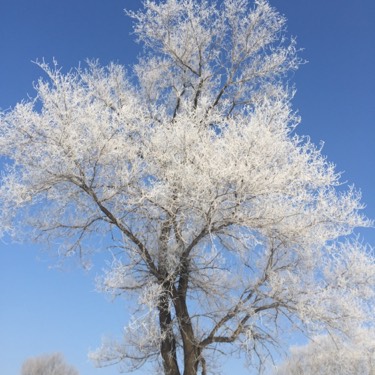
(45, 310)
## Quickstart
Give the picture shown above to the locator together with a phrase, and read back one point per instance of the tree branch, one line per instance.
(143, 250)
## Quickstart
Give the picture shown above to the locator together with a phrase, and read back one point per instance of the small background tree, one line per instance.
(49, 364)
(333, 355)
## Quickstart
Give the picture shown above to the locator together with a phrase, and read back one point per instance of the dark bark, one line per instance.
(190, 346)
(168, 342)
(177, 294)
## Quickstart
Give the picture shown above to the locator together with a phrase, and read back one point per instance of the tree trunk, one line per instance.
(168, 342)
(191, 360)
(190, 345)
(191, 352)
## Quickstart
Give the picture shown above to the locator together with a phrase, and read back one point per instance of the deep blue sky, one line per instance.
(46, 310)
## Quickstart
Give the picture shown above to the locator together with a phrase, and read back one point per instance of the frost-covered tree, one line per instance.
(49, 364)
(333, 355)
(227, 229)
